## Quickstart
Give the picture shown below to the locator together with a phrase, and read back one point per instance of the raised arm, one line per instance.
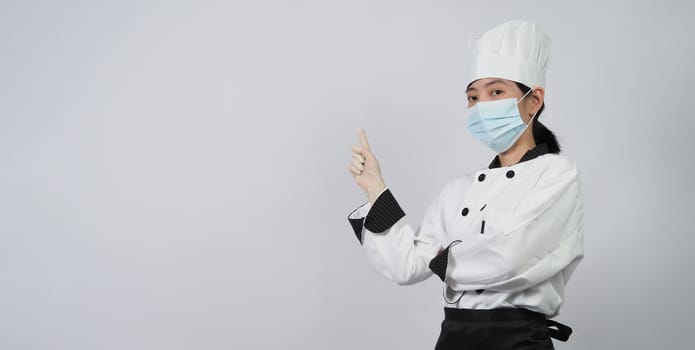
(396, 250)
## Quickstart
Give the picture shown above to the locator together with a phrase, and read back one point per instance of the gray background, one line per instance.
(173, 175)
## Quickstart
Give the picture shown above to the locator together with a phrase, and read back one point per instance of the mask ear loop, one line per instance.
(534, 114)
(530, 120)
(526, 94)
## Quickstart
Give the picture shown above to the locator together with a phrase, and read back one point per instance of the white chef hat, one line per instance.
(514, 50)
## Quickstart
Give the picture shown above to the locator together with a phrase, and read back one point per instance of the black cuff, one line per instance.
(384, 213)
(562, 333)
(357, 227)
(438, 263)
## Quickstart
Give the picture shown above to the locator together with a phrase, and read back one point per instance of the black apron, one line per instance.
(498, 329)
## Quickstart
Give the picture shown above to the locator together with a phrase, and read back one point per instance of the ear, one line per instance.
(536, 100)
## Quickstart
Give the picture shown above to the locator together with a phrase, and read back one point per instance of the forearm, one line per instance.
(532, 251)
(390, 241)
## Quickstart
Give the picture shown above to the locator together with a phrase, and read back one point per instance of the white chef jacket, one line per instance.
(500, 237)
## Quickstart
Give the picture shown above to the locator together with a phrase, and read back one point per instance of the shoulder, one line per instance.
(556, 164)
(555, 169)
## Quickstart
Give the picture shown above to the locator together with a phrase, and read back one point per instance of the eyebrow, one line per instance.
(486, 84)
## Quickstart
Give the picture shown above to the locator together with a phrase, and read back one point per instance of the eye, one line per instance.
(472, 98)
(496, 92)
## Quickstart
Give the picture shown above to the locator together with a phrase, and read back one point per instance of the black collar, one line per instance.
(537, 151)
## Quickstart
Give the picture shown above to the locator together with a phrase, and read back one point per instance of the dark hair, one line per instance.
(541, 134)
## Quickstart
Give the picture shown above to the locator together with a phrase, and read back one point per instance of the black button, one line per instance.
(510, 174)
(464, 212)
(481, 177)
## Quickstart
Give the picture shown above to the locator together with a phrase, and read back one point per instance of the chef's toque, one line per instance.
(515, 50)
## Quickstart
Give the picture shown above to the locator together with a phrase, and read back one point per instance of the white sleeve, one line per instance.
(541, 237)
(395, 250)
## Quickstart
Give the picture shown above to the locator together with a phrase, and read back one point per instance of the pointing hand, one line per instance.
(364, 168)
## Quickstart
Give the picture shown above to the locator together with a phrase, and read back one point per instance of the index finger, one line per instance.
(363, 139)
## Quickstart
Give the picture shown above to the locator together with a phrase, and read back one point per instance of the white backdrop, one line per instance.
(173, 175)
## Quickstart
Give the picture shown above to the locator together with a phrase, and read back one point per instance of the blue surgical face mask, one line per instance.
(497, 123)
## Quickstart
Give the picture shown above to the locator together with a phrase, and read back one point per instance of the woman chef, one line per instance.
(505, 239)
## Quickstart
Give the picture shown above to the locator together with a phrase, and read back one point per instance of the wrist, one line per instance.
(375, 191)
